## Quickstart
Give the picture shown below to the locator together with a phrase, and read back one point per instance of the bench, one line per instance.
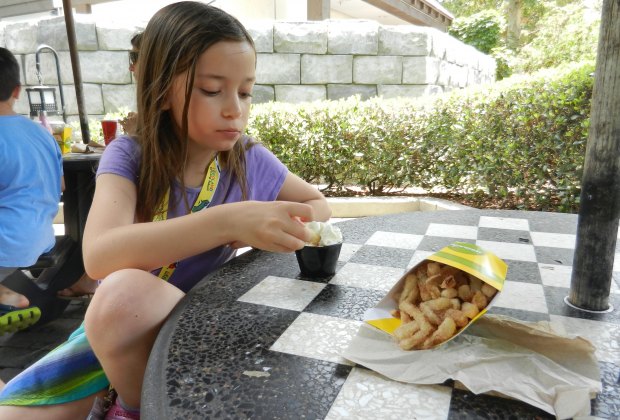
(55, 256)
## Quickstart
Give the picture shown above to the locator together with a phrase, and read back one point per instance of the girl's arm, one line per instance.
(113, 241)
(297, 190)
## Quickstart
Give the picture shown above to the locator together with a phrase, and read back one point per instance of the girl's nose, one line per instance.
(232, 107)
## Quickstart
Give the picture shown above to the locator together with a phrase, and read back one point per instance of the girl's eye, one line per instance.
(210, 92)
(245, 95)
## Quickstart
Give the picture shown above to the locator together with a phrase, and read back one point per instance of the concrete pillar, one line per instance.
(318, 9)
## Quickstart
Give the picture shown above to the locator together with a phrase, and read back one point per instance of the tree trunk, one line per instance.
(513, 30)
(600, 194)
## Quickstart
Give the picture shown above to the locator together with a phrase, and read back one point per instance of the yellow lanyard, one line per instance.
(202, 201)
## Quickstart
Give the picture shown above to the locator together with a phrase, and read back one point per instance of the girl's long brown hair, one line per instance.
(172, 42)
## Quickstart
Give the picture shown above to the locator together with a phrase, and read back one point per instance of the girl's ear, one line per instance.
(165, 106)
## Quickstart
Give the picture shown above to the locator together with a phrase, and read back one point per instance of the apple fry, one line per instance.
(480, 300)
(425, 327)
(434, 280)
(458, 316)
(404, 316)
(407, 308)
(469, 309)
(455, 303)
(432, 317)
(421, 273)
(419, 317)
(406, 330)
(449, 293)
(410, 292)
(445, 330)
(474, 283)
(460, 279)
(488, 290)
(432, 308)
(448, 282)
(433, 268)
(425, 294)
(438, 304)
(465, 293)
(434, 291)
(413, 341)
(447, 270)
(435, 303)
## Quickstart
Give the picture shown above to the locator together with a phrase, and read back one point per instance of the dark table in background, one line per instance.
(79, 172)
(255, 340)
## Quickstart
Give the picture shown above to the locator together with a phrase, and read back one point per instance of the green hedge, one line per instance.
(523, 137)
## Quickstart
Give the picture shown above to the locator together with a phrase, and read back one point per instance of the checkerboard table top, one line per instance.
(255, 339)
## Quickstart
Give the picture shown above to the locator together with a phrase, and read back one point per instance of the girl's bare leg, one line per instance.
(122, 322)
(84, 286)
(74, 410)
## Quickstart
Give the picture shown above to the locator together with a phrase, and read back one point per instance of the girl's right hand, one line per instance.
(271, 226)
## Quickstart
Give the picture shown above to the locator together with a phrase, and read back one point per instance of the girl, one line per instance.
(171, 203)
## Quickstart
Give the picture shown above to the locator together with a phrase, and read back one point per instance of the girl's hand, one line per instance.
(271, 226)
(238, 245)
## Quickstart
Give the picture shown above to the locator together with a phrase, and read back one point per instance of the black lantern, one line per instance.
(43, 98)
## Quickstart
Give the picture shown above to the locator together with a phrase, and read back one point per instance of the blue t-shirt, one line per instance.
(30, 172)
(265, 176)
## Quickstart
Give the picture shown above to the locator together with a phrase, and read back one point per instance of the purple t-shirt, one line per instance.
(265, 176)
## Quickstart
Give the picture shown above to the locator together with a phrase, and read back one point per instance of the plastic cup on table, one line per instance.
(109, 128)
(318, 262)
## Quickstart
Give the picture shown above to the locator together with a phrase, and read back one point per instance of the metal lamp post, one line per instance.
(43, 98)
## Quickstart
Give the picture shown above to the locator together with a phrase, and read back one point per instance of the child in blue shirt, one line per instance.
(30, 188)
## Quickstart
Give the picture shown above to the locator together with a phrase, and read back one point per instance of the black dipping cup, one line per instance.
(318, 261)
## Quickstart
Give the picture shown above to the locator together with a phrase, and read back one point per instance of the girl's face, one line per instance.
(220, 98)
(133, 60)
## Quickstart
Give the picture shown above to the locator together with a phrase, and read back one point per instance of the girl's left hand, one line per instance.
(271, 226)
(238, 244)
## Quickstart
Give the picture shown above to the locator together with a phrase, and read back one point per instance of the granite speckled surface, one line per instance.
(256, 340)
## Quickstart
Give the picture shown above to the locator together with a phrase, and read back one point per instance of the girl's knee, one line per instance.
(129, 302)
(118, 294)
(117, 287)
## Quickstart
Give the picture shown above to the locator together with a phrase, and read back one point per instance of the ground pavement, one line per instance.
(19, 350)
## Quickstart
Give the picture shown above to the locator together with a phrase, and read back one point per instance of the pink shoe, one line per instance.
(116, 412)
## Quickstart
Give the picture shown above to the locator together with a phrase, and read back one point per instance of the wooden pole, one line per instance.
(77, 74)
(600, 190)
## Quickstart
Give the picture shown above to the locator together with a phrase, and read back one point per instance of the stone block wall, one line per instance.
(297, 61)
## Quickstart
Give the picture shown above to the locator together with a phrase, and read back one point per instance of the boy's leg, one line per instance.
(122, 322)
(15, 313)
(8, 296)
(11, 298)
(49, 307)
(73, 410)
